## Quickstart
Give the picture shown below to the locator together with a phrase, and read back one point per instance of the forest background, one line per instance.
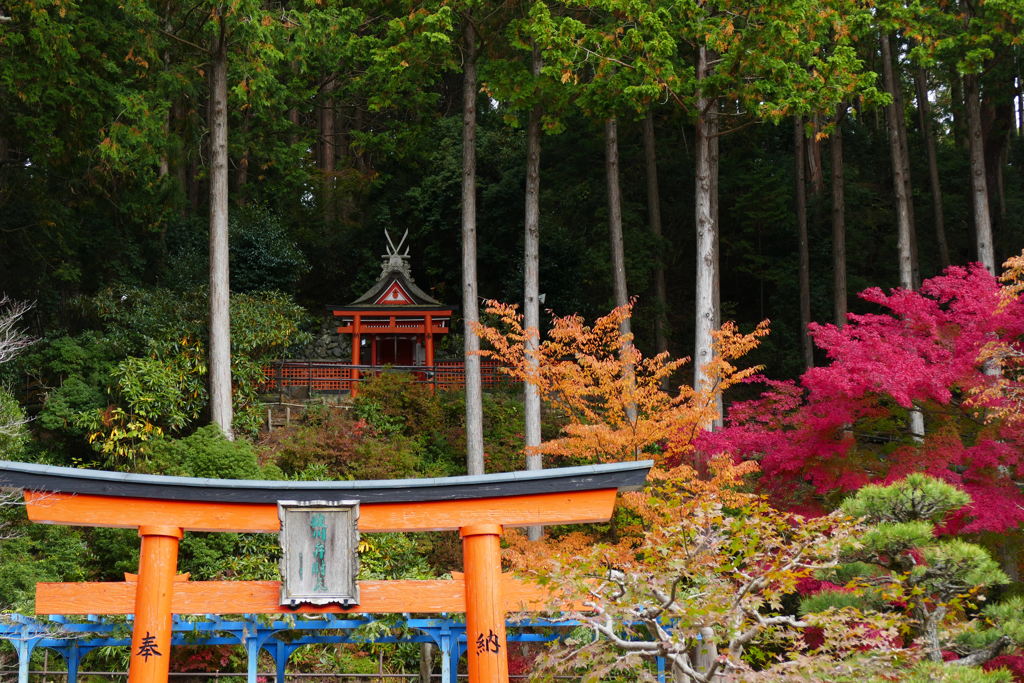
(347, 121)
(719, 161)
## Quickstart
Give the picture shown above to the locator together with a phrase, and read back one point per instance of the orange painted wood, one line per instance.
(428, 340)
(151, 632)
(404, 328)
(126, 513)
(384, 312)
(263, 597)
(356, 341)
(576, 507)
(486, 645)
(178, 578)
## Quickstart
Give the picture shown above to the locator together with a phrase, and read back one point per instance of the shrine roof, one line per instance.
(410, 294)
(31, 476)
(401, 291)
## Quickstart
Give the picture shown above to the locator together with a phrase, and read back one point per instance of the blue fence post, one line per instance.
(458, 637)
(446, 654)
(26, 643)
(72, 657)
(281, 654)
(252, 651)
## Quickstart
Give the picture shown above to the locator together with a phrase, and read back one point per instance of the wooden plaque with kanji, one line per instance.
(319, 558)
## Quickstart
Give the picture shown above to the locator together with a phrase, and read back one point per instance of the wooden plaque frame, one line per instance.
(319, 562)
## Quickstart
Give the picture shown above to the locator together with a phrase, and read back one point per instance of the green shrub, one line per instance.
(376, 442)
(206, 453)
(394, 402)
(393, 458)
(930, 672)
(14, 436)
(394, 556)
(144, 371)
(65, 403)
(321, 444)
(37, 552)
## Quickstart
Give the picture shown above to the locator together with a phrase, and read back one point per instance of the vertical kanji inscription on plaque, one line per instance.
(319, 563)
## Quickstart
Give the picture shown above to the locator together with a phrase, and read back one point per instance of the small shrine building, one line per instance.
(394, 322)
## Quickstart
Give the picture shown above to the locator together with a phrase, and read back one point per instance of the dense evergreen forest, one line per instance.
(718, 161)
(345, 121)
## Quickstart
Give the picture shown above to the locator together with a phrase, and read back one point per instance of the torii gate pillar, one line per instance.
(486, 652)
(151, 633)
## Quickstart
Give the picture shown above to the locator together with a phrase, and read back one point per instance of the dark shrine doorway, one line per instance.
(395, 350)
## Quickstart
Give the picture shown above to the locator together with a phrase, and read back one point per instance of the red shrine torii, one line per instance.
(164, 508)
(395, 319)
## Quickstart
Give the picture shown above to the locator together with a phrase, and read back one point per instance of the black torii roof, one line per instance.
(31, 476)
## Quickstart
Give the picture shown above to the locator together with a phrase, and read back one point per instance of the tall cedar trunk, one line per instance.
(979, 186)
(194, 186)
(996, 121)
(164, 162)
(470, 308)
(705, 210)
(800, 186)
(426, 662)
(327, 154)
(714, 159)
(908, 186)
(654, 218)
(220, 296)
(1020, 96)
(531, 284)
(180, 166)
(924, 114)
(956, 112)
(897, 154)
(346, 120)
(163, 167)
(1000, 164)
(242, 171)
(812, 149)
(293, 119)
(838, 220)
(621, 292)
(611, 160)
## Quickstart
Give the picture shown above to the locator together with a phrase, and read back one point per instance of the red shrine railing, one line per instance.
(338, 377)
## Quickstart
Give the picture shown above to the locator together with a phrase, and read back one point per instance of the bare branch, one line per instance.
(13, 337)
(981, 656)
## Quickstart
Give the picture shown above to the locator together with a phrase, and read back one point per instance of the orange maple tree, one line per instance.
(1003, 398)
(612, 396)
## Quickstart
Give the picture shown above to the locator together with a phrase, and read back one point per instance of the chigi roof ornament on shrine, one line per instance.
(395, 286)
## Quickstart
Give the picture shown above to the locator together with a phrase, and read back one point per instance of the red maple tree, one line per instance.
(951, 351)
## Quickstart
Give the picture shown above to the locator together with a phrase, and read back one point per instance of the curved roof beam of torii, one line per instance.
(62, 495)
(622, 476)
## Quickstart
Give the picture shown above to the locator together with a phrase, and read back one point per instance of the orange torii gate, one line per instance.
(163, 508)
